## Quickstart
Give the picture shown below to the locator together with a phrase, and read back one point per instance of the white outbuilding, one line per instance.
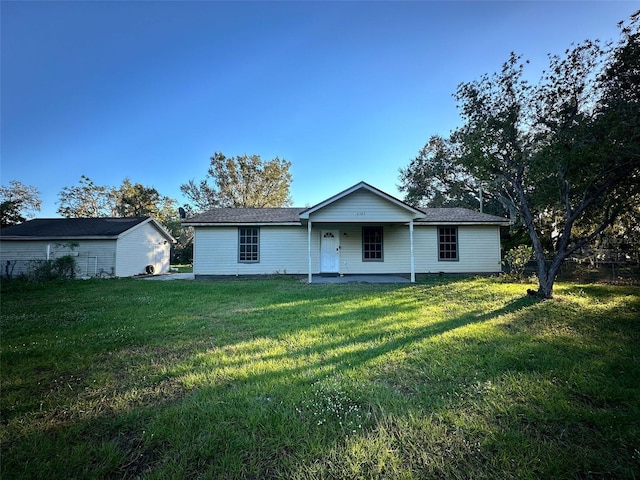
(103, 247)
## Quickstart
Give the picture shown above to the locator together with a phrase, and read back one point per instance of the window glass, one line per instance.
(448, 243)
(249, 245)
(372, 244)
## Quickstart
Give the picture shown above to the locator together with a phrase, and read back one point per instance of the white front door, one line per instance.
(330, 251)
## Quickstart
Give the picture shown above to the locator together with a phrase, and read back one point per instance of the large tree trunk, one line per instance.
(545, 286)
(547, 273)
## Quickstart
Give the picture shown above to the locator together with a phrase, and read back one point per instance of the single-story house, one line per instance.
(361, 230)
(103, 247)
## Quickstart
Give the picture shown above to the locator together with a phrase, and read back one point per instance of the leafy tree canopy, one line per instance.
(436, 179)
(128, 200)
(563, 154)
(243, 181)
(135, 199)
(18, 202)
(87, 200)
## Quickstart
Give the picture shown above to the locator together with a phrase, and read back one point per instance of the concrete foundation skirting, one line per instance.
(317, 279)
(388, 278)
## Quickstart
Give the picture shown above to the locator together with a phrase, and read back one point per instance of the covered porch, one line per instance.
(361, 230)
(356, 249)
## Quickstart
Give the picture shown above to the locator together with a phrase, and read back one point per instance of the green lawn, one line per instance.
(451, 378)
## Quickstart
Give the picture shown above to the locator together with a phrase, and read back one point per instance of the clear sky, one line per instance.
(346, 91)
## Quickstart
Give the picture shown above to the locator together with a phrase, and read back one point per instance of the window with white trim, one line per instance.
(248, 245)
(448, 243)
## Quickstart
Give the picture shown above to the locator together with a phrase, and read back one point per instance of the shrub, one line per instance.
(63, 267)
(516, 260)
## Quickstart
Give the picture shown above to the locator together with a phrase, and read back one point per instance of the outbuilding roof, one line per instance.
(75, 228)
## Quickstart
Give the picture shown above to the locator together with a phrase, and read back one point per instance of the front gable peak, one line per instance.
(362, 198)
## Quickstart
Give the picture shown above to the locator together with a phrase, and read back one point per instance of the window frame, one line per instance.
(255, 243)
(379, 228)
(448, 242)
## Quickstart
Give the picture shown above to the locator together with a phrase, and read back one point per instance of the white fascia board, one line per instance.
(163, 231)
(158, 227)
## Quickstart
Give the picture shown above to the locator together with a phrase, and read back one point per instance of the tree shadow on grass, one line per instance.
(245, 417)
(378, 340)
(80, 423)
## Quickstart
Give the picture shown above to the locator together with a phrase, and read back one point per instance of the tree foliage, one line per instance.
(243, 181)
(135, 200)
(87, 200)
(436, 179)
(128, 200)
(565, 152)
(18, 202)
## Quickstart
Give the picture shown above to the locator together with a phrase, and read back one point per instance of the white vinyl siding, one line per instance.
(478, 250)
(395, 254)
(283, 249)
(140, 246)
(362, 206)
(93, 257)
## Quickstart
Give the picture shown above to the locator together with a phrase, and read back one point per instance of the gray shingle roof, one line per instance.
(292, 215)
(247, 215)
(458, 215)
(70, 228)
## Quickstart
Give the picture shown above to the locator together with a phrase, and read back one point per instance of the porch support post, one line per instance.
(309, 247)
(413, 267)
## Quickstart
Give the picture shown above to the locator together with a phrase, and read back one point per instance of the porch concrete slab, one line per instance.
(323, 279)
(171, 276)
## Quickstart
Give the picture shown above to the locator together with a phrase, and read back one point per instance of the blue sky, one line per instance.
(346, 91)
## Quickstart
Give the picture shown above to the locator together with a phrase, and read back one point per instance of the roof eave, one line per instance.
(239, 224)
(59, 239)
(453, 222)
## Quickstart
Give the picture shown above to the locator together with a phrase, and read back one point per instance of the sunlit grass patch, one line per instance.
(450, 378)
(338, 402)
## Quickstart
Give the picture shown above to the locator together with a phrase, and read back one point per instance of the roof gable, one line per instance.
(362, 186)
